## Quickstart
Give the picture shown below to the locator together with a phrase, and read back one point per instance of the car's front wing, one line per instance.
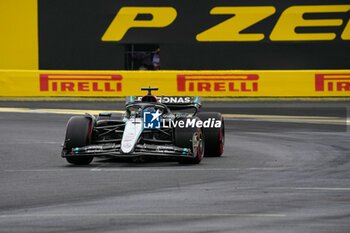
(113, 150)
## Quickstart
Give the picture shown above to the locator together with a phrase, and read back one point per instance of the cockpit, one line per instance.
(137, 110)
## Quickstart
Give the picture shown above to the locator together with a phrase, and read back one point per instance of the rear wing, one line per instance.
(173, 102)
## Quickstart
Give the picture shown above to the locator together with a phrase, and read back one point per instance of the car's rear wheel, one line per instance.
(214, 137)
(77, 135)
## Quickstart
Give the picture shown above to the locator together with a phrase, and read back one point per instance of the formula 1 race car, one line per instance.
(151, 126)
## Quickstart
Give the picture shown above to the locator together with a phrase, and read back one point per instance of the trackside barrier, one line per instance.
(230, 83)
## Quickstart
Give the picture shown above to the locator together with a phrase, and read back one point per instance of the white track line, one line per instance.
(186, 169)
(140, 215)
(294, 188)
(321, 188)
(99, 169)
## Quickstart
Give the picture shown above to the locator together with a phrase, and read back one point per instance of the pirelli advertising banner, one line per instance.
(308, 83)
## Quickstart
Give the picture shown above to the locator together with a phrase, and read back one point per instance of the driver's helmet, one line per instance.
(150, 109)
(139, 113)
(134, 112)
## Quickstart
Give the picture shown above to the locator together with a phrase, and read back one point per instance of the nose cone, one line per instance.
(132, 132)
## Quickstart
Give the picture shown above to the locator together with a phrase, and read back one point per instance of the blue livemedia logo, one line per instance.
(151, 120)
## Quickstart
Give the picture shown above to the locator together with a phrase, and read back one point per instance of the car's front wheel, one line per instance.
(77, 135)
(193, 139)
(198, 147)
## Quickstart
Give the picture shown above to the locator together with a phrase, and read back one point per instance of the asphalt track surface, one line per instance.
(289, 172)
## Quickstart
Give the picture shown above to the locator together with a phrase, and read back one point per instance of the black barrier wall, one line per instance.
(71, 35)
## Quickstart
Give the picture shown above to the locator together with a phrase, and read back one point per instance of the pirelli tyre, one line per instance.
(214, 137)
(193, 139)
(77, 135)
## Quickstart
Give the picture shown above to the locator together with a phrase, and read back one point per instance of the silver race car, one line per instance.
(151, 126)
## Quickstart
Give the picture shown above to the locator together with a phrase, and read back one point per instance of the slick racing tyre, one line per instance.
(190, 138)
(214, 137)
(77, 135)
